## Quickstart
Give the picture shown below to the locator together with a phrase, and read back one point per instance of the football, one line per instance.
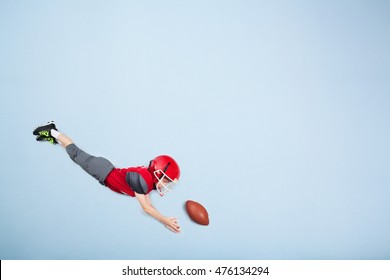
(197, 212)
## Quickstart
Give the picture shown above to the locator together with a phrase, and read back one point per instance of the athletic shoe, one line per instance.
(50, 139)
(45, 129)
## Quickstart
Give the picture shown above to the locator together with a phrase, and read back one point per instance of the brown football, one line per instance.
(197, 212)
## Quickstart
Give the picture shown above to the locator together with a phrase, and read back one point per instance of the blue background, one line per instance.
(277, 111)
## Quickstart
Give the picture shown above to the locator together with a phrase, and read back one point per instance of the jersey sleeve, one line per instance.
(136, 182)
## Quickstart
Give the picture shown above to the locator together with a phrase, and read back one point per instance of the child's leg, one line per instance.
(61, 138)
(97, 167)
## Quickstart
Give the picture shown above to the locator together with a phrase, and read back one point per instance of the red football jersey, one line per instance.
(117, 182)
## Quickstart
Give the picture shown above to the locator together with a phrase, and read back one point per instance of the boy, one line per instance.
(162, 173)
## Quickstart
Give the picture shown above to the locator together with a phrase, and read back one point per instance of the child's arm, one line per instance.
(144, 201)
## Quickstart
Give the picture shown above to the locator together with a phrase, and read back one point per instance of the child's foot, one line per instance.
(43, 132)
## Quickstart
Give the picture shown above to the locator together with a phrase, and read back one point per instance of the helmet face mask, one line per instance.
(164, 184)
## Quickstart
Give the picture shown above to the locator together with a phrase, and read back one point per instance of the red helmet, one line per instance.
(166, 172)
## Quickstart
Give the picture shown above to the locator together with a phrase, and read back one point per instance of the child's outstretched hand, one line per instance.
(172, 224)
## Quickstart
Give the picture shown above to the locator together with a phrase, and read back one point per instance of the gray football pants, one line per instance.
(97, 167)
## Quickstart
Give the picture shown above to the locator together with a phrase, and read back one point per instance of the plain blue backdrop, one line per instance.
(277, 111)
